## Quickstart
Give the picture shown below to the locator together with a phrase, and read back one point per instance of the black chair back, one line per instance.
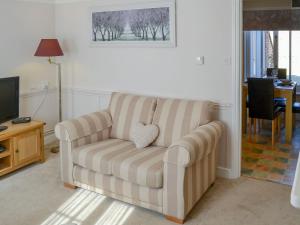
(261, 98)
(280, 73)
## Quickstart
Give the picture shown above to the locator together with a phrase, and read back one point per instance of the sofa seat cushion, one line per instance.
(98, 156)
(126, 110)
(177, 118)
(123, 160)
(143, 167)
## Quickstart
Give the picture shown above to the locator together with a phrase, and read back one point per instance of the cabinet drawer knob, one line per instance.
(17, 151)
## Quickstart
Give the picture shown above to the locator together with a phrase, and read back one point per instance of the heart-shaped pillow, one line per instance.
(143, 135)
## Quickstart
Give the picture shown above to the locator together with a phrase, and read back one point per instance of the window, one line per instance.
(272, 49)
(295, 56)
(258, 52)
(284, 50)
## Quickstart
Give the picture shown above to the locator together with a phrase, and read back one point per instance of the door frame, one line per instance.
(237, 49)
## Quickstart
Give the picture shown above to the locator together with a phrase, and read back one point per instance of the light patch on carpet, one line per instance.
(116, 214)
(76, 209)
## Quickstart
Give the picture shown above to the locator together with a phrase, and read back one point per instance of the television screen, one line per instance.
(9, 98)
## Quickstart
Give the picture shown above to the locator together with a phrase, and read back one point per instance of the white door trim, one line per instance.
(237, 21)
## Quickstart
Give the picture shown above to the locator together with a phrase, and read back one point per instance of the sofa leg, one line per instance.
(70, 186)
(174, 219)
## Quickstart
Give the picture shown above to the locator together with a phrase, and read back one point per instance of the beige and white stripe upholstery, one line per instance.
(83, 126)
(176, 118)
(99, 156)
(93, 138)
(74, 133)
(189, 171)
(143, 167)
(127, 110)
(111, 186)
(195, 145)
(169, 181)
(123, 160)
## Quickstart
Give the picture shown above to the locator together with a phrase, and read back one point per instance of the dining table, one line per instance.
(280, 91)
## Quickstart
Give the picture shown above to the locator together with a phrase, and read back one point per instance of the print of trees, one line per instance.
(132, 25)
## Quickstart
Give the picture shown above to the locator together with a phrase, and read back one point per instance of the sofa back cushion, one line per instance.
(176, 118)
(126, 110)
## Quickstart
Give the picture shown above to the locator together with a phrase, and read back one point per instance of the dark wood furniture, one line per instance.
(24, 144)
(286, 92)
(261, 103)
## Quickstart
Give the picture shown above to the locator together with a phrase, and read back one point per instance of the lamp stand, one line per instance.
(55, 149)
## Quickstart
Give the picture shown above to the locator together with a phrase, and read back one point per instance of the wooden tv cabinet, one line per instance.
(24, 144)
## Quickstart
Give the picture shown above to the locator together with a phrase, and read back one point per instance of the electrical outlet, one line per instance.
(44, 85)
(200, 60)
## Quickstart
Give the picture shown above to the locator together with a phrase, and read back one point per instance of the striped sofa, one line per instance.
(169, 177)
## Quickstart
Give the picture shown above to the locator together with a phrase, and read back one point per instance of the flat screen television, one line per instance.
(9, 98)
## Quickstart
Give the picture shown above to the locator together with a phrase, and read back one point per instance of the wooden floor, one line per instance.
(262, 161)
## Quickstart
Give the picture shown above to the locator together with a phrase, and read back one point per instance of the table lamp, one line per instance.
(51, 48)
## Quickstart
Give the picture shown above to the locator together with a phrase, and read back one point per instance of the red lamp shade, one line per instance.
(48, 48)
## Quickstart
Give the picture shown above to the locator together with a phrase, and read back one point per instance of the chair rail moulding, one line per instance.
(39, 1)
(71, 1)
(29, 94)
(107, 94)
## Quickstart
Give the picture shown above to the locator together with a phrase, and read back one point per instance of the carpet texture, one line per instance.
(35, 196)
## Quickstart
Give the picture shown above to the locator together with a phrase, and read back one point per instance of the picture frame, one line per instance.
(149, 24)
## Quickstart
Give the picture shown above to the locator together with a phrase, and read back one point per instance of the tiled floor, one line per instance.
(261, 161)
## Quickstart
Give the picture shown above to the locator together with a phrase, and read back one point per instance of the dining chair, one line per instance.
(262, 105)
(296, 107)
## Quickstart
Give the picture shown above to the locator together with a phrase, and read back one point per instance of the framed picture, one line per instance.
(150, 24)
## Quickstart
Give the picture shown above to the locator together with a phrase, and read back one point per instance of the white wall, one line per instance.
(22, 25)
(204, 28)
(163, 71)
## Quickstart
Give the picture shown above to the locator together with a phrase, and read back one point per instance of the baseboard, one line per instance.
(224, 173)
(49, 137)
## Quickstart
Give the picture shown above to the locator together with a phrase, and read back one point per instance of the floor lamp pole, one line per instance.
(56, 148)
(59, 92)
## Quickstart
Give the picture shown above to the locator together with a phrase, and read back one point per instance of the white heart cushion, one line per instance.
(143, 135)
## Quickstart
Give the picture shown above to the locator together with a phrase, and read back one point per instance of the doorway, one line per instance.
(271, 50)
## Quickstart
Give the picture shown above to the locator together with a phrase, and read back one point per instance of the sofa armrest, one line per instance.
(194, 146)
(83, 126)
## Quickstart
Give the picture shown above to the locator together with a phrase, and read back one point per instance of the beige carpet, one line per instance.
(36, 196)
